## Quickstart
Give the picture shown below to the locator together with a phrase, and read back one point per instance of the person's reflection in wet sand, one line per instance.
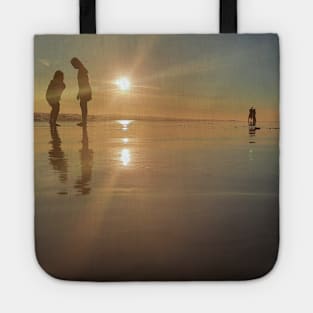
(82, 184)
(252, 132)
(56, 155)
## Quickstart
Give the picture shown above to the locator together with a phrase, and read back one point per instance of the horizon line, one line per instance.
(44, 116)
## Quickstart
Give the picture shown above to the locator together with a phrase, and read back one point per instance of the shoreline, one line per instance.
(68, 117)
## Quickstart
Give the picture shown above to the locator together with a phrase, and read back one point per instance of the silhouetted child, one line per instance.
(84, 92)
(53, 96)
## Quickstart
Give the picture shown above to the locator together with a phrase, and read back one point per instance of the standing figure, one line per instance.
(53, 96)
(250, 116)
(254, 117)
(84, 92)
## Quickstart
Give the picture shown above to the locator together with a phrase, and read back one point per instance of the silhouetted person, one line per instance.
(57, 156)
(252, 117)
(53, 96)
(86, 162)
(84, 92)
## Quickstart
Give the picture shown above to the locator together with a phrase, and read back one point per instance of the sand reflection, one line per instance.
(125, 157)
(56, 155)
(162, 193)
(252, 133)
(125, 124)
(125, 154)
(82, 184)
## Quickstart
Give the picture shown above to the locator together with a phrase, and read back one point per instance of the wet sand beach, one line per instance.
(156, 200)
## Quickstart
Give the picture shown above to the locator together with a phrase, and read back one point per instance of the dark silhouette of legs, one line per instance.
(55, 109)
(84, 109)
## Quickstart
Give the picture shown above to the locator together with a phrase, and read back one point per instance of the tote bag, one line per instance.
(157, 156)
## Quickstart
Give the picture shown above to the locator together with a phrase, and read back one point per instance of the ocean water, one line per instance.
(156, 200)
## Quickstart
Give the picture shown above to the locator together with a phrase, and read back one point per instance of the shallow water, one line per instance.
(156, 200)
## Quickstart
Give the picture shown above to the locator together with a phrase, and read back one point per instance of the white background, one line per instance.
(26, 288)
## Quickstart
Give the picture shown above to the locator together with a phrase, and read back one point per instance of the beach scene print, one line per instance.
(156, 156)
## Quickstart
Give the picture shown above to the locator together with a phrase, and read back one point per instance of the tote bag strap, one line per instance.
(228, 16)
(87, 17)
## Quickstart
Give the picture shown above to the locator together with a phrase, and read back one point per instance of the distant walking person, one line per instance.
(53, 96)
(252, 117)
(84, 92)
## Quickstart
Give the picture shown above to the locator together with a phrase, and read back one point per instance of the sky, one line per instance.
(172, 76)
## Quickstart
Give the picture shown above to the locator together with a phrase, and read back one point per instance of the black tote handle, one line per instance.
(228, 16)
(87, 16)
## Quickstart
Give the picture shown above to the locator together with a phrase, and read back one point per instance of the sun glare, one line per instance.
(123, 84)
(125, 124)
(125, 157)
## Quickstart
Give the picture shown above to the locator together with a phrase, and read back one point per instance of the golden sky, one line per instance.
(178, 76)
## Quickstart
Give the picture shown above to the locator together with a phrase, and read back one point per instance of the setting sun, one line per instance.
(123, 84)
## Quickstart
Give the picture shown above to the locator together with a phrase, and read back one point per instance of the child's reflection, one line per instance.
(56, 155)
